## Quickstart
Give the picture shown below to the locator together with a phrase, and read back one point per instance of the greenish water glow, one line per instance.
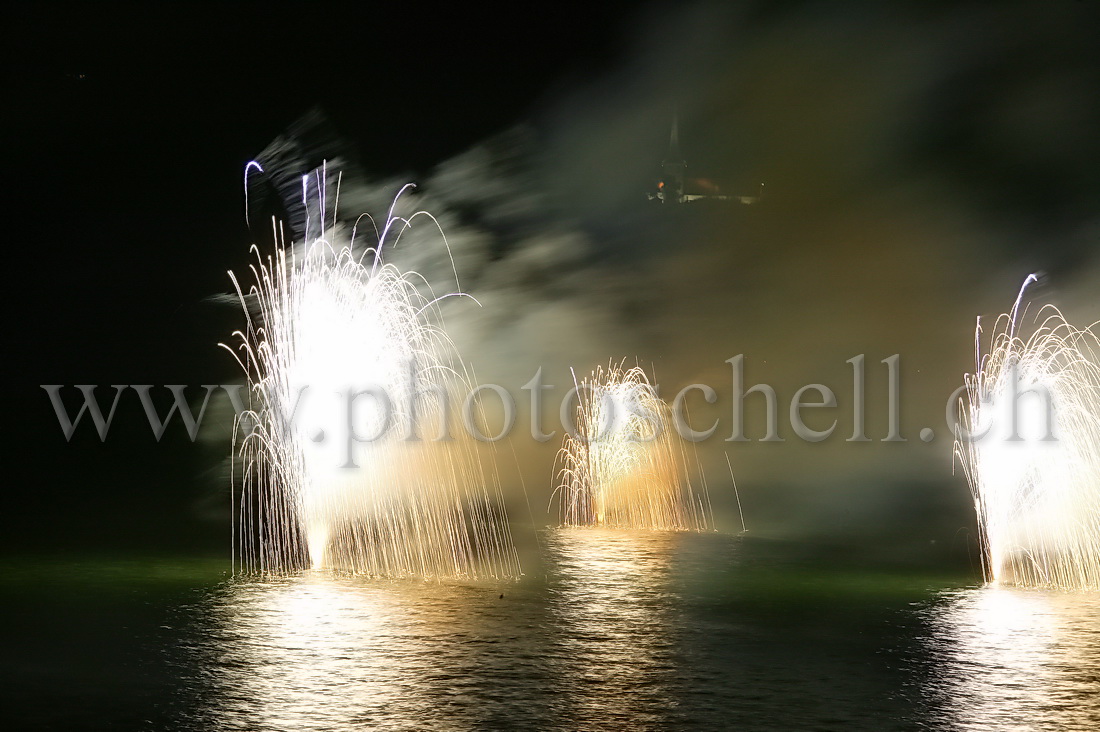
(606, 630)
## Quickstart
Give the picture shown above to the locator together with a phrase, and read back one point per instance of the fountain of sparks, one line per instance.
(336, 340)
(1029, 444)
(620, 466)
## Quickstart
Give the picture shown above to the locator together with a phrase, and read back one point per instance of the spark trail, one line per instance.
(346, 359)
(621, 467)
(1029, 445)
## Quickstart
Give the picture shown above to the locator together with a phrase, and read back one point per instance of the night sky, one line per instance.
(130, 126)
(919, 161)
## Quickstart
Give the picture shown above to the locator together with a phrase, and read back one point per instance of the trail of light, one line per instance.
(621, 467)
(321, 327)
(1029, 445)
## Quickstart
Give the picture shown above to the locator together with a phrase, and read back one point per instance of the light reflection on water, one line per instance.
(638, 630)
(1003, 658)
(321, 652)
(586, 645)
(610, 594)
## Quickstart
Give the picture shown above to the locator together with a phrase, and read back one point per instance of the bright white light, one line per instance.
(343, 346)
(1034, 463)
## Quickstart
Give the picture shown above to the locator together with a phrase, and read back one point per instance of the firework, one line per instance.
(346, 360)
(621, 466)
(1030, 448)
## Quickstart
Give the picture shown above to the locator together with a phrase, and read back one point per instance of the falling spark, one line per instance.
(620, 466)
(736, 495)
(1029, 444)
(347, 364)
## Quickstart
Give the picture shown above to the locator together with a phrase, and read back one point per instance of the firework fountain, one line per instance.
(346, 359)
(620, 466)
(1029, 444)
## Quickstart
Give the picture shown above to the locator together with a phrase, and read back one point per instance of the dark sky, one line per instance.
(128, 126)
(929, 153)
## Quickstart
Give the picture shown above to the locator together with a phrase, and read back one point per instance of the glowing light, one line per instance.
(1033, 461)
(610, 590)
(621, 466)
(1002, 655)
(345, 361)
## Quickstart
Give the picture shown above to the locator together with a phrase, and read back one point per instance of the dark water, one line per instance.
(607, 630)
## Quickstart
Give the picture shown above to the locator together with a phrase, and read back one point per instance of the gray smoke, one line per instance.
(918, 164)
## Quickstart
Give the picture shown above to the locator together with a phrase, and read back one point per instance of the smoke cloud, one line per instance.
(918, 163)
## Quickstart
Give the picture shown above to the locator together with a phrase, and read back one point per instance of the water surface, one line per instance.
(607, 630)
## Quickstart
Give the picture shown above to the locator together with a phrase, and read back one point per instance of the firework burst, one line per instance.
(347, 360)
(621, 466)
(1029, 445)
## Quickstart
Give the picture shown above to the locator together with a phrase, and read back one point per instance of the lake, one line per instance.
(605, 630)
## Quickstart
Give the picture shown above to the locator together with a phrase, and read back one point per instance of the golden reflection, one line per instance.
(616, 652)
(294, 653)
(1017, 659)
(323, 652)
